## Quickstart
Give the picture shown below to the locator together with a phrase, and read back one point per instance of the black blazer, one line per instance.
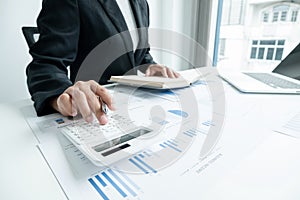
(69, 30)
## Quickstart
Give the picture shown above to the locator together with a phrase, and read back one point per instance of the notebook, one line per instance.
(187, 78)
(284, 79)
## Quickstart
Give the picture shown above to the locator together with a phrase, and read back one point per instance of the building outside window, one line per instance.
(266, 17)
(294, 16)
(267, 49)
(222, 47)
(233, 12)
(258, 34)
(283, 16)
(275, 16)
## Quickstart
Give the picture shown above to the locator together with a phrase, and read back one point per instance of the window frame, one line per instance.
(294, 15)
(262, 48)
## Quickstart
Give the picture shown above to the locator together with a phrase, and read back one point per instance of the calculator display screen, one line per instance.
(122, 139)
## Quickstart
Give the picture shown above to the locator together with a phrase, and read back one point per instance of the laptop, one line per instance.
(284, 79)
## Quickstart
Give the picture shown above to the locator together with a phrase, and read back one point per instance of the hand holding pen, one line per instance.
(87, 98)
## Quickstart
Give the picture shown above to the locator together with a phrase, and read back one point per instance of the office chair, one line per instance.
(31, 35)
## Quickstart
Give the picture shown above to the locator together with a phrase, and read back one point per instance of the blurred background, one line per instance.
(237, 34)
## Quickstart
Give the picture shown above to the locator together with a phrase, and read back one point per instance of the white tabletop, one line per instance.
(25, 174)
(23, 171)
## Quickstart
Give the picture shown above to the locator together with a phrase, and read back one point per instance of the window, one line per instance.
(222, 47)
(279, 53)
(283, 16)
(233, 12)
(266, 17)
(294, 16)
(275, 16)
(253, 52)
(261, 52)
(281, 42)
(280, 13)
(267, 42)
(270, 53)
(265, 49)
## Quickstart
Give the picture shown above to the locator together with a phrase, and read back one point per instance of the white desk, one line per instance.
(23, 171)
(25, 174)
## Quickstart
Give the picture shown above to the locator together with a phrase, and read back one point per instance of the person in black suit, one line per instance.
(69, 31)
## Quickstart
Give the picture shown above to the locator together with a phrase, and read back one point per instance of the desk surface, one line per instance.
(23, 171)
(25, 174)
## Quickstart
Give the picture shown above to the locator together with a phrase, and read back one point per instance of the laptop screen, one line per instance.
(290, 66)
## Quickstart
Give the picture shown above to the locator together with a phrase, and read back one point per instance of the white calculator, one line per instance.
(106, 144)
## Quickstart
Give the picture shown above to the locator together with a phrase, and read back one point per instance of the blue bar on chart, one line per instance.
(168, 92)
(97, 188)
(160, 121)
(172, 143)
(193, 132)
(199, 83)
(122, 182)
(146, 153)
(138, 166)
(172, 147)
(208, 123)
(173, 140)
(163, 122)
(141, 155)
(100, 180)
(145, 164)
(188, 134)
(129, 180)
(179, 113)
(163, 146)
(121, 192)
(113, 180)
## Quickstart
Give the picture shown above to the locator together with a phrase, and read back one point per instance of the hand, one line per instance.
(161, 70)
(83, 98)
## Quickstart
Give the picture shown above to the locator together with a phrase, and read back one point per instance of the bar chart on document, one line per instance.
(130, 178)
(118, 181)
(111, 184)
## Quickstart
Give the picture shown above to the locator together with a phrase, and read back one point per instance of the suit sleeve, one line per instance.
(56, 49)
(148, 59)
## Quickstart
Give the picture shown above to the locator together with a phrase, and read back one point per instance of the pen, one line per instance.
(103, 106)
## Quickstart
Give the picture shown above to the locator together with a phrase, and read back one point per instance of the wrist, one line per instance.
(53, 103)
